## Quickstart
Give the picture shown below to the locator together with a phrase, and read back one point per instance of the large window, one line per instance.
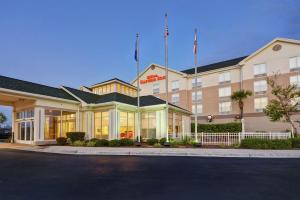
(25, 125)
(127, 125)
(224, 107)
(170, 123)
(52, 124)
(196, 82)
(197, 109)
(175, 85)
(156, 88)
(196, 96)
(260, 69)
(225, 92)
(175, 98)
(224, 77)
(295, 80)
(260, 86)
(68, 121)
(260, 103)
(295, 63)
(148, 125)
(101, 125)
(178, 125)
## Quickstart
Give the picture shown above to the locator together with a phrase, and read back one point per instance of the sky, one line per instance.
(77, 42)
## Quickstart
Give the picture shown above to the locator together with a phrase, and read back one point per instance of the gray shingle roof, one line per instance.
(213, 66)
(114, 79)
(34, 88)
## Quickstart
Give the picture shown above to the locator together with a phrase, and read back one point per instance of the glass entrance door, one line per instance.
(25, 132)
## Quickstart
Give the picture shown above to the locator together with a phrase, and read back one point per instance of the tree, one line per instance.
(285, 102)
(239, 97)
(3, 118)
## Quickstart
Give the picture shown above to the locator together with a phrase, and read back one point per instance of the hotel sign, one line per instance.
(152, 78)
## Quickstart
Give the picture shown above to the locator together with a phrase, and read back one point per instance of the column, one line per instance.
(39, 124)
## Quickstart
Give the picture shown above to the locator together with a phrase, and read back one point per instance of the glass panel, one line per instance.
(170, 122)
(22, 130)
(98, 125)
(28, 127)
(68, 122)
(152, 125)
(131, 125)
(105, 125)
(52, 124)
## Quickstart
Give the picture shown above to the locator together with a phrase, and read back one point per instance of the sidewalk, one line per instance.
(196, 152)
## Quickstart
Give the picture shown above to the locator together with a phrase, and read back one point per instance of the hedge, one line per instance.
(114, 143)
(61, 141)
(152, 141)
(233, 127)
(126, 142)
(74, 136)
(253, 143)
(295, 142)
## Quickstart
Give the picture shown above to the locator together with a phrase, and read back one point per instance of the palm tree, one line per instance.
(2, 118)
(239, 97)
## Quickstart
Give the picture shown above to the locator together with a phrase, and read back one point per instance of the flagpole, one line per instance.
(166, 74)
(138, 87)
(195, 63)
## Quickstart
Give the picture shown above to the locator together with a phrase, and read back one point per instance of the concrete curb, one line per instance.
(186, 152)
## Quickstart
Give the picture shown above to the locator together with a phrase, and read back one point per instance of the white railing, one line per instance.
(229, 139)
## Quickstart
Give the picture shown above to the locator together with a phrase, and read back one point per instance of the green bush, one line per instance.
(61, 141)
(233, 127)
(152, 141)
(91, 143)
(101, 142)
(78, 143)
(74, 136)
(295, 142)
(114, 143)
(266, 144)
(157, 145)
(162, 141)
(126, 142)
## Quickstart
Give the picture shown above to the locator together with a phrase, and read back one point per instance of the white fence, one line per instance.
(229, 139)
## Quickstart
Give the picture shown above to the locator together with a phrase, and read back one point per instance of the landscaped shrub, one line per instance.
(266, 144)
(157, 145)
(233, 127)
(91, 143)
(162, 141)
(61, 141)
(126, 142)
(101, 142)
(152, 141)
(78, 143)
(295, 142)
(74, 136)
(114, 143)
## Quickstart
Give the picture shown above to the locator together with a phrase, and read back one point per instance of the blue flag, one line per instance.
(136, 56)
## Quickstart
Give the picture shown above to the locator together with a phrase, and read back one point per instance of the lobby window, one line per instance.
(175, 85)
(294, 63)
(170, 124)
(295, 80)
(198, 110)
(260, 86)
(178, 125)
(101, 125)
(196, 96)
(148, 125)
(224, 107)
(260, 103)
(68, 121)
(175, 98)
(156, 88)
(260, 69)
(196, 82)
(25, 125)
(224, 77)
(52, 124)
(127, 125)
(225, 92)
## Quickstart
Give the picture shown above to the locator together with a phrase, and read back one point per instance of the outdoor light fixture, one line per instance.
(209, 118)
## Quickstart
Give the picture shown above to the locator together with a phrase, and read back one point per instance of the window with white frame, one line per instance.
(260, 69)
(224, 107)
(224, 77)
(199, 109)
(260, 86)
(175, 98)
(196, 96)
(295, 62)
(196, 82)
(260, 103)
(225, 92)
(156, 88)
(295, 80)
(175, 85)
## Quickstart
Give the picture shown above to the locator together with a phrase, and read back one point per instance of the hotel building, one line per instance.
(209, 91)
(106, 110)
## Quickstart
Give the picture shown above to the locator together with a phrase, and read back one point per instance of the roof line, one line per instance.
(73, 95)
